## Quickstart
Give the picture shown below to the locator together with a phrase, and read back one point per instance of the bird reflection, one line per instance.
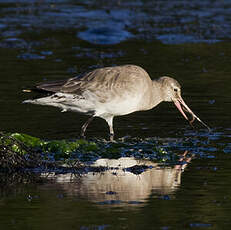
(127, 180)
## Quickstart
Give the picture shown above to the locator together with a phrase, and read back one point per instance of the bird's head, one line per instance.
(171, 92)
(170, 89)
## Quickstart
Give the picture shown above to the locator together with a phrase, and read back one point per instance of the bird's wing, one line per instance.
(103, 83)
(54, 86)
(109, 81)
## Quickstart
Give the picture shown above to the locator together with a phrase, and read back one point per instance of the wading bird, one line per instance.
(113, 91)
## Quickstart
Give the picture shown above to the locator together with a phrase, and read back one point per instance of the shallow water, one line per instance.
(41, 40)
(159, 198)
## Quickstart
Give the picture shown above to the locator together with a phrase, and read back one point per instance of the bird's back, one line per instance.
(109, 78)
(118, 90)
(101, 79)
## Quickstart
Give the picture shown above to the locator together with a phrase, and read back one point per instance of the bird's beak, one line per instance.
(181, 105)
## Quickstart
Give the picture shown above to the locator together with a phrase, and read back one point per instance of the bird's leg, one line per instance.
(111, 135)
(84, 127)
(109, 121)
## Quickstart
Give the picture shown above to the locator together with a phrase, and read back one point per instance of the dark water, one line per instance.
(51, 40)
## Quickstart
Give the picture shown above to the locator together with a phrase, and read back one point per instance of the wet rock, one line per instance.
(169, 21)
(96, 54)
(110, 193)
(183, 38)
(137, 169)
(13, 43)
(46, 53)
(30, 56)
(11, 33)
(104, 35)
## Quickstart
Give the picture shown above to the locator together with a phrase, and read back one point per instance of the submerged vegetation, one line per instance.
(20, 151)
(15, 154)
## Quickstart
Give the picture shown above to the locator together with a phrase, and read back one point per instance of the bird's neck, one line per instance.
(157, 94)
(152, 96)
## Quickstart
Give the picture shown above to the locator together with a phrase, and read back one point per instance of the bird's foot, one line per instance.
(83, 136)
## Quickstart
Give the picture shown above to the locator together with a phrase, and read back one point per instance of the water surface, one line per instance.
(43, 40)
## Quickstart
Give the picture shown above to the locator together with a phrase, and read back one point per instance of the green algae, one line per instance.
(80, 150)
(61, 148)
(14, 154)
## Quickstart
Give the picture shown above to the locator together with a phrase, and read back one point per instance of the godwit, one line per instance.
(113, 91)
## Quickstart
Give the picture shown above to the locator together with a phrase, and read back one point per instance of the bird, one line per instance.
(112, 91)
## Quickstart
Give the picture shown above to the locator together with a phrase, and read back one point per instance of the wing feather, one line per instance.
(104, 83)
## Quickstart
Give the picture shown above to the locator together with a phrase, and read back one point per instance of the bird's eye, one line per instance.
(175, 90)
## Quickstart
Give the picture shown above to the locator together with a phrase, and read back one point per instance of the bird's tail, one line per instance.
(50, 100)
(39, 101)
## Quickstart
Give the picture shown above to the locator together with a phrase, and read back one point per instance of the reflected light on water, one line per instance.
(127, 181)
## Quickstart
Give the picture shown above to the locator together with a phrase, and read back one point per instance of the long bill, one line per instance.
(181, 105)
